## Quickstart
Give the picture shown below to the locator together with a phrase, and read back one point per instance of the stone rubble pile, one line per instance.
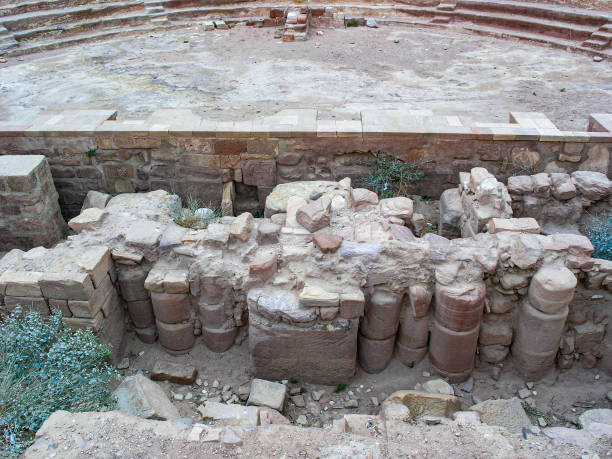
(330, 277)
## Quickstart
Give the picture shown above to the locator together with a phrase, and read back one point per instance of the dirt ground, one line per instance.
(244, 71)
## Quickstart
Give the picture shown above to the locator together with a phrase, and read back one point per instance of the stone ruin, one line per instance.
(332, 277)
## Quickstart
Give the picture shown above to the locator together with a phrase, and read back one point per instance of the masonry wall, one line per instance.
(195, 157)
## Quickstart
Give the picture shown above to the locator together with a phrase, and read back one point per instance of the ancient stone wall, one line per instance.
(178, 151)
(29, 210)
(331, 277)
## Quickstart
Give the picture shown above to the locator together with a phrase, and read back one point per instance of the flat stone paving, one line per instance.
(18, 166)
(245, 72)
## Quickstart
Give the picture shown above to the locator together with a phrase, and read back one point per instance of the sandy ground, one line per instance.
(244, 71)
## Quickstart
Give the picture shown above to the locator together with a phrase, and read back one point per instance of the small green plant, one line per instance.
(391, 176)
(598, 228)
(194, 215)
(340, 388)
(352, 23)
(91, 153)
(293, 380)
(303, 390)
(45, 367)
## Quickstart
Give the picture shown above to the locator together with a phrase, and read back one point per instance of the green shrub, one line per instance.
(352, 23)
(45, 367)
(598, 228)
(391, 176)
(190, 216)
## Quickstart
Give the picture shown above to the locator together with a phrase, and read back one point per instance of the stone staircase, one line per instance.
(577, 29)
(37, 25)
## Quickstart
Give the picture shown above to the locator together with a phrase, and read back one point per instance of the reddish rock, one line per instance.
(259, 172)
(327, 242)
(230, 147)
(352, 304)
(263, 264)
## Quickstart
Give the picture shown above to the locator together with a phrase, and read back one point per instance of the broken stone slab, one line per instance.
(95, 199)
(314, 216)
(90, 219)
(139, 396)
(503, 413)
(276, 202)
(267, 393)
(426, 404)
(241, 226)
(315, 296)
(593, 185)
(174, 372)
(267, 233)
(279, 304)
(230, 414)
(517, 225)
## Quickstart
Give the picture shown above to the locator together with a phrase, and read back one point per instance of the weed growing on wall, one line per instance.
(45, 367)
(194, 215)
(598, 228)
(390, 176)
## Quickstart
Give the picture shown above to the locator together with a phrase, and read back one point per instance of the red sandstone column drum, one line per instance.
(455, 329)
(542, 320)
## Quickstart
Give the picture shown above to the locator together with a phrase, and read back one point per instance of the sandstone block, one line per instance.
(241, 226)
(95, 199)
(409, 356)
(593, 185)
(267, 393)
(90, 219)
(562, 187)
(352, 304)
(97, 262)
(62, 305)
(230, 414)
(175, 281)
(520, 184)
(311, 354)
(451, 210)
(314, 216)
(518, 225)
(21, 283)
(174, 372)
(293, 204)
(259, 172)
(362, 197)
(37, 304)
(267, 233)
(328, 313)
(400, 207)
(68, 285)
(263, 264)
(327, 242)
(315, 296)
